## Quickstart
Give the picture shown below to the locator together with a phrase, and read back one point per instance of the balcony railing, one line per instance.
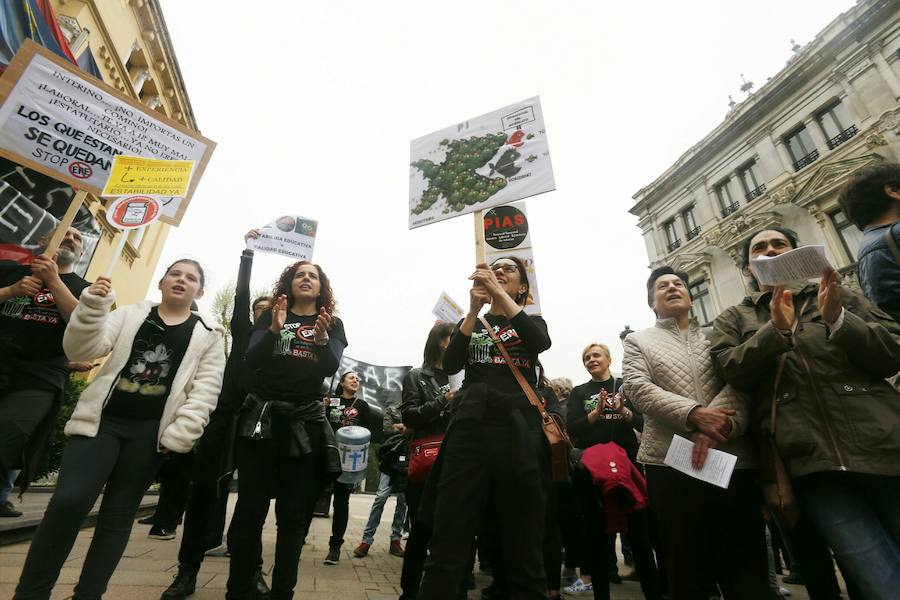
(807, 160)
(693, 233)
(842, 137)
(674, 245)
(759, 191)
(730, 209)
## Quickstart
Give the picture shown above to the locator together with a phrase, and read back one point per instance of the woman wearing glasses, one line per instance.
(494, 457)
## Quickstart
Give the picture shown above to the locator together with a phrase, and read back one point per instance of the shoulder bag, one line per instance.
(554, 431)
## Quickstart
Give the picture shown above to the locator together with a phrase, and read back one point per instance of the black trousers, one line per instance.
(265, 472)
(21, 411)
(482, 473)
(340, 518)
(710, 536)
(174, 489)
(416, 546)
(598, 556)
(124, 457)
(204, 519)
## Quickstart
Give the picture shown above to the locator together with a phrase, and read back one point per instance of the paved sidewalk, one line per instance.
(148, 566)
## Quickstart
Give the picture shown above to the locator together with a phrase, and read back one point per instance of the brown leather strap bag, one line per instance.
(554, 431)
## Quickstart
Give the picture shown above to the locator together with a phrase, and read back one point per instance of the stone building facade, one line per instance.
(131, 46)
(781, 157)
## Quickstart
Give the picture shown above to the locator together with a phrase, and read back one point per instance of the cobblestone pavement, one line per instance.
(148, 565)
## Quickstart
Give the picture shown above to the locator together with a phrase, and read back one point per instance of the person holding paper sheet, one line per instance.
(708, 535)
(152, 396)
(283, 436)
(837, 419)
(494, 459)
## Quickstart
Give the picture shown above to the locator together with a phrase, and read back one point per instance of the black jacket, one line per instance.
(879, 272)
(423, 407)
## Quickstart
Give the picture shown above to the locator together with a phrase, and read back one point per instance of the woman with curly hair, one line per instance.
(282, 428)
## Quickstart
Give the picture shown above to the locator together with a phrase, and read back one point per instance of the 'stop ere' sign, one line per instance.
(60, 121)
(487, 161)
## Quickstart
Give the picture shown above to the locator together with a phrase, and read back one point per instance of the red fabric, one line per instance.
(621, 484)
(16, 253)
(50, 17)
(423, 452)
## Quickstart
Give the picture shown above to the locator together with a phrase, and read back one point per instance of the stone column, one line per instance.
(832, 238)
(855, 105)
(787, 163)
(815, 132)
(884, 69)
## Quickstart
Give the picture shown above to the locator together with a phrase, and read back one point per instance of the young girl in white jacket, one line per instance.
(152, 396)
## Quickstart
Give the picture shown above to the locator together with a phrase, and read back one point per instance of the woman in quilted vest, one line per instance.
(709, 535)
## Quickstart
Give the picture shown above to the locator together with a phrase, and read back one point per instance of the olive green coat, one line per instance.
(835, 411)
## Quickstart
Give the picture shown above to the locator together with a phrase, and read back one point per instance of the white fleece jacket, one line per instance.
(93, 331)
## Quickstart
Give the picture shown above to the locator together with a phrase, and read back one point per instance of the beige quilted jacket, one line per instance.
(667, 374)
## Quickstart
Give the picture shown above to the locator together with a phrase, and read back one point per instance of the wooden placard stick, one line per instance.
(479, 236)
(65, 223)
(117, 252)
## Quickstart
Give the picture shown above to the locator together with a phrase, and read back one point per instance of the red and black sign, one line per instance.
(505, 227)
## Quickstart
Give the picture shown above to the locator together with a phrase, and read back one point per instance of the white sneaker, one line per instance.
(579, 588)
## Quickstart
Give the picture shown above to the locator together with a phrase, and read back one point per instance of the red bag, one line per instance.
(422, 454)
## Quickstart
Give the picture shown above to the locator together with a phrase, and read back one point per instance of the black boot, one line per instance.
(261, 591)
(183, 586)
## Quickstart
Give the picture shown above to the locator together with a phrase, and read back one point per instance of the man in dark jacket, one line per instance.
(820, 354)
(871, 201)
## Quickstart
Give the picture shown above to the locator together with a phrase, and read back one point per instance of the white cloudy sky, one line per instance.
(313, 105)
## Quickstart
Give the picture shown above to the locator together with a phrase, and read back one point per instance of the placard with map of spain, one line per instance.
(493, 159)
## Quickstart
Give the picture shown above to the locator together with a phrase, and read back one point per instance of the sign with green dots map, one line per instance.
(487, 161)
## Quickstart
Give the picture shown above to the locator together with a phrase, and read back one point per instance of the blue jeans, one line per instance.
(384, 491)
(859, 517)
(7, 480)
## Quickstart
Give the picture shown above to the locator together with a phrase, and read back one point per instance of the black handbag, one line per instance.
(393, 456)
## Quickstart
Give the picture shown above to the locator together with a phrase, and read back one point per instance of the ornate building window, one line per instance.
(672, 240)
(751, 180)
(702, 302)
(723, 194)
(849, 233)
(801, 147)
(691, 229)
(835, 124)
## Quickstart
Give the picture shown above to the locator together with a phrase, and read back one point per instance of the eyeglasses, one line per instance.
(505, 267)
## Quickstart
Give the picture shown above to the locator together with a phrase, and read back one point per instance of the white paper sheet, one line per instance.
(805, 262)
(716, 470)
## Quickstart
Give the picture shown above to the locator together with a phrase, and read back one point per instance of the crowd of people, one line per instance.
(798, 382)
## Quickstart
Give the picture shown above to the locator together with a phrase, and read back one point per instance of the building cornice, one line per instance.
(748, 119)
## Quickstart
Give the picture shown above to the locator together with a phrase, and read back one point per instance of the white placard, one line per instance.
(489, 160)
(716, 470)
(288, 235)
(799, 264)
(71, 128)
(447, 310)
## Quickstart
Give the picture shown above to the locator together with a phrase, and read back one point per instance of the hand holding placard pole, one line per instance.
(479, 237)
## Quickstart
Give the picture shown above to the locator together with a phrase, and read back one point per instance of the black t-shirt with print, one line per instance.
(31, 331)
(610, 427)
(143, 386)
(291, 366)
(523, 336)
(344, 412)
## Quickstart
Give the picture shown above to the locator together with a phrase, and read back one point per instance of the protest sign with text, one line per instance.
(446, 309)
(60, 121)
(487, 161)
(379, 386)
(136, 175)
(506, 234)
(289, 235)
